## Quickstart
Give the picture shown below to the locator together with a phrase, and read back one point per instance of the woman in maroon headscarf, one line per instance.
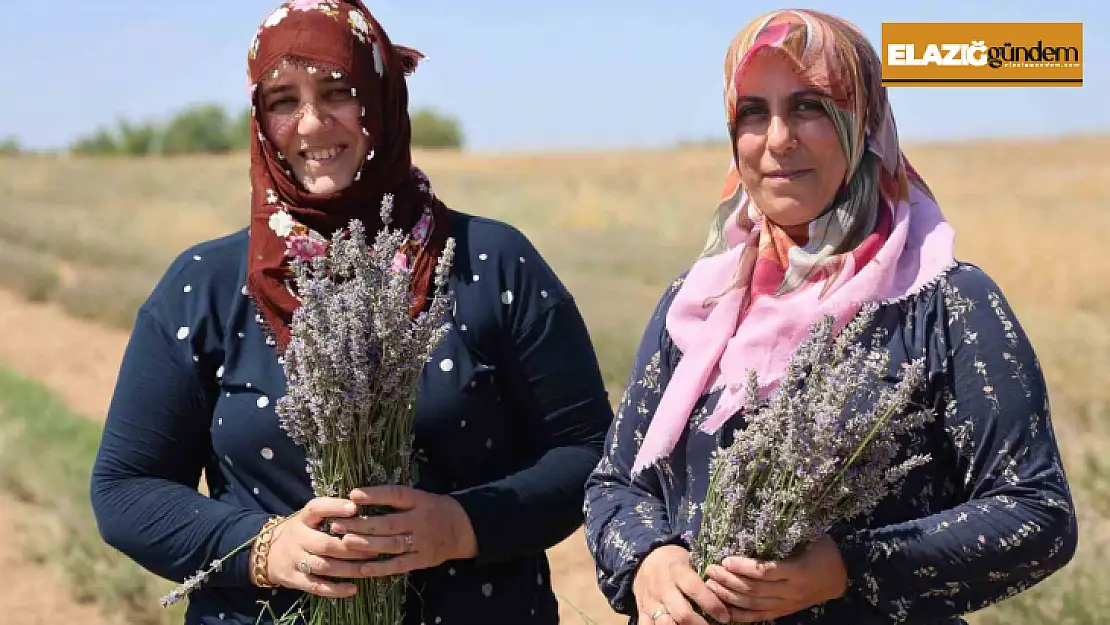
(512, 411)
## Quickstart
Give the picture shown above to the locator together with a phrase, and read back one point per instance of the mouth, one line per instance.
(322, 157)
(785, 174)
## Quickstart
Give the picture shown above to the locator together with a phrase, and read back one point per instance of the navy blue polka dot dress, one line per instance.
(512, 417)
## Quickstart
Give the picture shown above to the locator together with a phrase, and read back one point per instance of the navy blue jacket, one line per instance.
(512, 414)
(989, 516)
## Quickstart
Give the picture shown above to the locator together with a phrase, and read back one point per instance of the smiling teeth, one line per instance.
(319, 156)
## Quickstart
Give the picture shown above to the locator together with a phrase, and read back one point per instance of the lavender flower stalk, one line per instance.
(822, 449)
(352, 366)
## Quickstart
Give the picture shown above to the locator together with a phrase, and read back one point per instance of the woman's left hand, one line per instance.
(426, 530)
(762, 591)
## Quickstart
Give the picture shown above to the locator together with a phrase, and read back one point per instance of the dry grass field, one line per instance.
(93, 235)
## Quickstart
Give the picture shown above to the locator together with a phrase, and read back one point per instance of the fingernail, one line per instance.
(338, 528)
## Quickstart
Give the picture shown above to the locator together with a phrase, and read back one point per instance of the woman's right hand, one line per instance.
(297, 542)
(665, 584)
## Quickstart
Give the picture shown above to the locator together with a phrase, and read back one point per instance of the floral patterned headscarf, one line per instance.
(340, 37)
(749, 300)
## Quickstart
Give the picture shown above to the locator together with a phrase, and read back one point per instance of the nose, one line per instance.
(781, 137)
(310, 120)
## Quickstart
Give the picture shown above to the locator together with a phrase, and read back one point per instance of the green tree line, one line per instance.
(211, 129)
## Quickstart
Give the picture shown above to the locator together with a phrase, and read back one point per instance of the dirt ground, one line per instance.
(78, 360)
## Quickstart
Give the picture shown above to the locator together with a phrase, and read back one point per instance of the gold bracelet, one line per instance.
(260, 554)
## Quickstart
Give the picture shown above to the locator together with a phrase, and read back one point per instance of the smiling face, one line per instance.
(790, 158)
(315, 120)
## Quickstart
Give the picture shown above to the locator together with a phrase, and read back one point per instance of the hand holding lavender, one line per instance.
(351, 368)
(820, 451)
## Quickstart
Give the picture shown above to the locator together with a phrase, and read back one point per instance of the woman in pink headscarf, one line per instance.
(820, 214)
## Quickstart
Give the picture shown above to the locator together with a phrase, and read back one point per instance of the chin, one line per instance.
(326, 184)
(787, 211)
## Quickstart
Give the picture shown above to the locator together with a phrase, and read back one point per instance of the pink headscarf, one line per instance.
(728, 317)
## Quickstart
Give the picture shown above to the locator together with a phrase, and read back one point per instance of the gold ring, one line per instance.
(304, 567)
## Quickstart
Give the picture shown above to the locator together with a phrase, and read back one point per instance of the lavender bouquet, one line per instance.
(351, 368)
(819, 451)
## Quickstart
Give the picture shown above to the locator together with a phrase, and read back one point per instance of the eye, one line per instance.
(339, 94)
(810, 106)
(283, 104)
(751, 109)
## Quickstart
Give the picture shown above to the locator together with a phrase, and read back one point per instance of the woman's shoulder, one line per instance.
(497, 269)
(968, 281)
(964, 288)
(212, 270)
(666, 298)
(488, 239)
(657, 320)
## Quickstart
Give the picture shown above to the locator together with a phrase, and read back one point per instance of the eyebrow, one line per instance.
(280, 88)
(272, 90)
(804, 93)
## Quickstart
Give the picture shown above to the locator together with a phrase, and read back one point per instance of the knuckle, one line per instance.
(354, 525)
(385, 525)
(359, 543)
(743, 601)
(337, 548)
(682, 614)
(369, 544)
(327, 546)
(309, 540)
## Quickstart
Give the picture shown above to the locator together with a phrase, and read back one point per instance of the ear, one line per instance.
(410, 58)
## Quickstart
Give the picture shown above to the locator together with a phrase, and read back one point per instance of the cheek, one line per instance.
(349, 121)
(749, 149)
(821, 138)
(279, 130)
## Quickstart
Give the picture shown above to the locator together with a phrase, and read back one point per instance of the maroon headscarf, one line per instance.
(335, 36)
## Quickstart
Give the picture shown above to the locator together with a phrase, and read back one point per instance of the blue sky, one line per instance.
(520, 74)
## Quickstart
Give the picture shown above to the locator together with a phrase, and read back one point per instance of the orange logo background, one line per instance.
(925, 54)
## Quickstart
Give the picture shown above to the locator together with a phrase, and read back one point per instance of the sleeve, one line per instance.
(148, 466)
(555, 384)
(1016, 525)
(626, 519)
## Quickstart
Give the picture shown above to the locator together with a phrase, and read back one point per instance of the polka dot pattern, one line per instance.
(253, 449)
